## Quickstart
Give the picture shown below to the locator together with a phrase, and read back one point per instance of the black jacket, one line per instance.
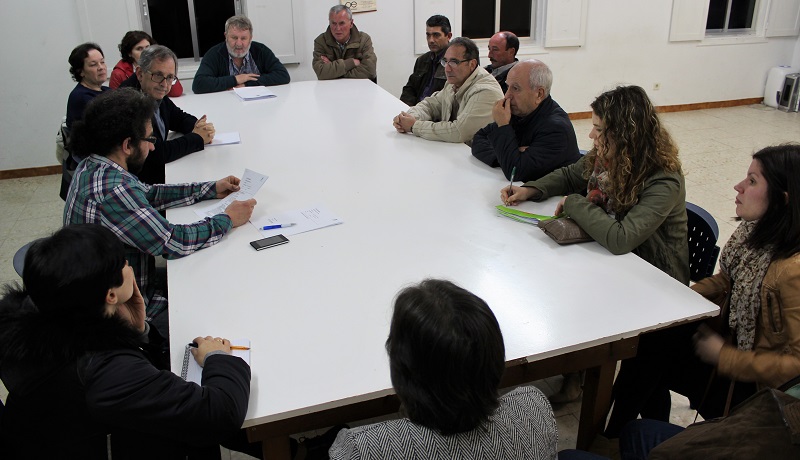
(423, 68)
(72, 382)
(548, 134)
(167, 151)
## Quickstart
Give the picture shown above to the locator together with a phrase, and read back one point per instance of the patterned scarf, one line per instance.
(599, 183)
(746, 269)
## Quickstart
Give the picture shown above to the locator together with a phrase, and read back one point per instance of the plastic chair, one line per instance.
(703, 236)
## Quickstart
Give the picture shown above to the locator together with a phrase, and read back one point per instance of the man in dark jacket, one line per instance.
(503, 48)
(238, 61)
(531, 132)
(155, 75)
(428, 75)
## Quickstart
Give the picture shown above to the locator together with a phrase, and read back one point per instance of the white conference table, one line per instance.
(317, 310)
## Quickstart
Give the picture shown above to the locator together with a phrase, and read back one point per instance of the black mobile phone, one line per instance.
(269, 242)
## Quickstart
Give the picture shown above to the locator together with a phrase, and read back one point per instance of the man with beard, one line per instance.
(238, 61)
(114, 139)
(158, 67)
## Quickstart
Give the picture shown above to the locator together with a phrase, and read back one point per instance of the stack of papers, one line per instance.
(521, 216)
(252, 93)
(249, 185)
(304, 220)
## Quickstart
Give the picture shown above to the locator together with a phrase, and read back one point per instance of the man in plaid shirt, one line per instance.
(115, 137)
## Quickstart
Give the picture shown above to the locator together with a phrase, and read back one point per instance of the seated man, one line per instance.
(465, 104)
(238, 61)
(343, 51)
(158, 67)
(78, 354)
(503, 47)
(446, 359)
(115, 137)
(428, 76)
(530, 131)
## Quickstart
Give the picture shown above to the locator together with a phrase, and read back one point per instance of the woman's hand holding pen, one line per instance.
(206, 345)
(512, 195)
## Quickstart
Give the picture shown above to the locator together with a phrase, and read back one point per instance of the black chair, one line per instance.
(703, 236)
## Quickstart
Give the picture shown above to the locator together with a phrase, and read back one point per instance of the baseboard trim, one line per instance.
(685, 107)
(30, 172)
(47, 170)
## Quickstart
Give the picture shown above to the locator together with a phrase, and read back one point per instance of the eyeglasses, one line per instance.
(158, 78)
(453, 63)
(151, 139)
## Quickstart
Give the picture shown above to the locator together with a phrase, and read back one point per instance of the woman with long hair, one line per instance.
(635, 193)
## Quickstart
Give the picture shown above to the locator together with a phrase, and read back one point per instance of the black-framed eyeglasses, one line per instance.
(158, 78)
(453, 63)
(151, 139)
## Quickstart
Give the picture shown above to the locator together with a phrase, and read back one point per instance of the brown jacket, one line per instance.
(775, 358)
(342, 64)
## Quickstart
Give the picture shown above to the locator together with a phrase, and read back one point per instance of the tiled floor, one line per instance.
(715, 147)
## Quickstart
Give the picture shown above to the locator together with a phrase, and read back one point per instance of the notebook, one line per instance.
(192, 372)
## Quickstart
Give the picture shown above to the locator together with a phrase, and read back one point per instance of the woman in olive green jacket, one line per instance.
(635, 202)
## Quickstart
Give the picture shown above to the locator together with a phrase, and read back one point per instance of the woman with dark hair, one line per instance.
(79, 362)
(757, 339)
(87, 67)
(130, 48)
(635, 192)
(446, 358)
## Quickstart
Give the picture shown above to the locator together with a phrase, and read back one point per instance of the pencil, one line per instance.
(239, 347)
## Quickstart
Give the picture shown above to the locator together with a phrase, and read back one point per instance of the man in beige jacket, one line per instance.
(462, 107)
(343, 51)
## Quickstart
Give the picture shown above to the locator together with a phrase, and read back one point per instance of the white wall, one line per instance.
(626, 42)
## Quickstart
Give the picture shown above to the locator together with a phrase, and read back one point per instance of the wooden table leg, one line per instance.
(596, 402)
(277, 448)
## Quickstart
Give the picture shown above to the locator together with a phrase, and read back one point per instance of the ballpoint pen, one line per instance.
(233, 347)
(272, 227)
(513, 172)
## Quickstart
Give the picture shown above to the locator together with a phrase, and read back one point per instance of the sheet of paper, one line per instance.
(251, 93)
(194, 373)
(226, 138)
(250, 185)
(305, 220)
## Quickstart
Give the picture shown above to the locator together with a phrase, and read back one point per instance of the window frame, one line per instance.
(756, 26)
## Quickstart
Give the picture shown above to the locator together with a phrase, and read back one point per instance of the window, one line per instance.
(188, 27)
(731, 16)
(482, 18)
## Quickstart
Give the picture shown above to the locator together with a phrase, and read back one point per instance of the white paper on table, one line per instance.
(226, 138)
(251, 93)
(192, 372)
(305, 220)
(248, 187)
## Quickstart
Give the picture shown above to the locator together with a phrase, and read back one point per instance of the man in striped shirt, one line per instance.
(114, 138)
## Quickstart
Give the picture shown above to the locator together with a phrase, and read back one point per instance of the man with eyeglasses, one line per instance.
(158, 67)
(428, 75)
(462, 107)
(115, 138)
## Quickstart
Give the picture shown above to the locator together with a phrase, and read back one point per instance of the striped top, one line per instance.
(104, 193)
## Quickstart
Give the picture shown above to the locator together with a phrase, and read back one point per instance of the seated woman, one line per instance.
(446, 357)
(87, 66)
(636, 196)
(131, 46)
(77, 358)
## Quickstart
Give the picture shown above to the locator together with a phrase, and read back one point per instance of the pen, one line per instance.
(272, 227)
(513, 172)
(233, 347)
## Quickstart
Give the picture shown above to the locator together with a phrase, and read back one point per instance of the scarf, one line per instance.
(746, 269)
(598, 186)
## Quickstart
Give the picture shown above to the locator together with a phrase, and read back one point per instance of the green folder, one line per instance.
(521, 216)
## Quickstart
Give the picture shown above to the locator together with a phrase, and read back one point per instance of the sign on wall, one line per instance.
(360, 6)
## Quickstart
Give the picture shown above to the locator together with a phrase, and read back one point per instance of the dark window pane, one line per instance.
(742, 14)
(169, 21)
(716, 14)
(515, 16)
(211, 16)
(477, 18)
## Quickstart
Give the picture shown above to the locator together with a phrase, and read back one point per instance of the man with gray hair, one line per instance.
(531, 132)
(157, 71)
(343, 51)
(238, 61)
